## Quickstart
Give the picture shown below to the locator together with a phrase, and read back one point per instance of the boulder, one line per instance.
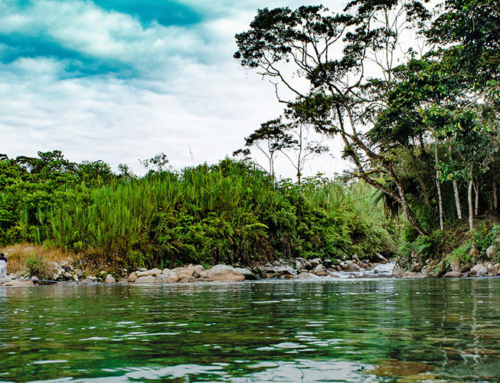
(132, 277)
(476, 268)
(171, 278)
(321, 273)
(305, 275)
(453, 274)
(165, 271)
(17, 283)
(491, 252)
(196, 269)
(224, 273)
(381, 259)
(455, 266)
(146, 279)
(315, 262)
(363, 265)
(109, 279)
(185, 273)
(482, 272)
(146, 273)
(355, 258)
(353, 267)
(277, 271)
(246, 272)
(465, 268)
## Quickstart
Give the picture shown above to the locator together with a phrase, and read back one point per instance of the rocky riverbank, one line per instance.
(298, 268)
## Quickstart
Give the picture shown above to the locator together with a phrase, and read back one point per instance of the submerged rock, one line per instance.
(224, 273)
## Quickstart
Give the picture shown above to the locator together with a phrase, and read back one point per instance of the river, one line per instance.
(380, 330)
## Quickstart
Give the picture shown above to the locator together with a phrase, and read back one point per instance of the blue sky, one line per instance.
(122, 80)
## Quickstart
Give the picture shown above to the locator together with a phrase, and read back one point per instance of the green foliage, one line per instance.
(37, 266)
(229, 212)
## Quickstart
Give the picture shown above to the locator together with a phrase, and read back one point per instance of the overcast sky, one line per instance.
(122, 80)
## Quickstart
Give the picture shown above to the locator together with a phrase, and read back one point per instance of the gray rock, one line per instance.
(491, 252)
(171, 278)
(476, 268)
(249, 275)
(353, 267)
(224, 273)
(321, 273)
(277, 271)
(132, 277)
(109, 279)
(482, 272)
(185, 273)
(383, 260)
(305, 275)
(75, 277)
(453, 274)
(145, 279)
(315, 262)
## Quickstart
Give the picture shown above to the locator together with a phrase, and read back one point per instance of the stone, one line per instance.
(249, 275)
(315, 262)
(64, 264)
(455, 265)
(185, 273)
(146, 279)
(75, 277)
(224, 273)
(453, 274)
(204, 274)
(363, 265)
(142, 269)
(321, 273)
(67, 275)
(109, 279)
(482, 272)
(383, 260)
(474, 251)
(171, 278)
(465, 268)
(132, 277)
(476, 268)
(277, 271)
(17, 283)
(355, 258)
(491, 252)
(334, 276)
(353, 267)
(146, 273)
(289, 276)
(196, 269)
(306, 275)
(188, 280)
(165, 271)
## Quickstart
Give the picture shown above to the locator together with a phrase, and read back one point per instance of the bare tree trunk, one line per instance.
(438, 186)
(458, 205)
(471, 207)
(495, 187)
(476, 201)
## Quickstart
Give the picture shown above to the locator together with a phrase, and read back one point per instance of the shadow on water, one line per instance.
(347, 331)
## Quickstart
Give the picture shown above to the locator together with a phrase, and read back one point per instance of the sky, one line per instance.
(123, 80)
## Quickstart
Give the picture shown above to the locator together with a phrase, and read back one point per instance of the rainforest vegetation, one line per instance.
(411, 90)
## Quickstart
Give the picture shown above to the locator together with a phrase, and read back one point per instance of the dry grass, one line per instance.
(18, 254)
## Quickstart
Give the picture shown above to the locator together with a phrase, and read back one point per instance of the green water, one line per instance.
(352, 331)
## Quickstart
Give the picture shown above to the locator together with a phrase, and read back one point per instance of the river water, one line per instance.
(383, 330)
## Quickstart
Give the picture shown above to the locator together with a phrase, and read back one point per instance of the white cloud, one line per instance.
(189, 96)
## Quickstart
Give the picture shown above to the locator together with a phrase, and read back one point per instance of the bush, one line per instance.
(37, 266)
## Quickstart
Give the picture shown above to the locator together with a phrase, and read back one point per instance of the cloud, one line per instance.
(118, 81)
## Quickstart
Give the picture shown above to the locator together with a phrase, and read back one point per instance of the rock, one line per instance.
(277, 271)
(476, 268)
(249, 275)
(334, 276)
(482, 272)
(453, 274)
(353, 267)
(132, 277)
(87, 281)
(171, 278)
(327, 263)
(491, 252)
(165, 271)
(67, 276)
(204, 274)
(355, 258)
(474, 251)
(17, 283)
(146, 279)
(142, 269)
(75, 278)
(363, 265)
(465, 268)
(224, 273)
(315, 262)
(305, 275)
(289, 277)
(196, 269)
(64, 264)
(383, 260)
(321, 273)
(188, 280)
(79, 272)
(147, 273)
(185, 273)
(109, 279)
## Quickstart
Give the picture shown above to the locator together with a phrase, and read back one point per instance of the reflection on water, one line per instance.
(339, 331)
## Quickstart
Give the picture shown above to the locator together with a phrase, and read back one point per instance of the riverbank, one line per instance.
(294, 269)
